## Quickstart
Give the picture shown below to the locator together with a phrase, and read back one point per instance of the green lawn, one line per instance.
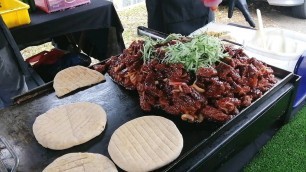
(286, 151)
(131, 18)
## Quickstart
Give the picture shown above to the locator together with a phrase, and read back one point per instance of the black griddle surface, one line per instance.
(121, 106)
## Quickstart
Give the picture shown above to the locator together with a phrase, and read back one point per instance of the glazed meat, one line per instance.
(125, 68)
(228, 105)
(215, 93)
(214, 114)
(165, 86)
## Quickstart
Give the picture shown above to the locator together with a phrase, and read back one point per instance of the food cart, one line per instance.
(206, 145)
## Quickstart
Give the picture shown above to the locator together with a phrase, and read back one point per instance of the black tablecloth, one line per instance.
(92, 20)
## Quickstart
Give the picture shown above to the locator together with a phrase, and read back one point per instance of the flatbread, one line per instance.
(145, 144)
(69, 125)
(75, 77)
(81, 162)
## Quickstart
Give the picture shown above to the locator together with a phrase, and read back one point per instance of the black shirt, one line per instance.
(177, 16)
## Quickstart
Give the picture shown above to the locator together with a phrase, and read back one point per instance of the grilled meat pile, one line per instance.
(214, 93)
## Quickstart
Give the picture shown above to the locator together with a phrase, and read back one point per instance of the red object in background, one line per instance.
(57, 5)
(46, 57)
(213, 4)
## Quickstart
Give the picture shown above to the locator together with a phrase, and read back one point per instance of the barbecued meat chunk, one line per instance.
(228, 73)
(188, 104)
(240, 90)
(263, 69)
(264, 84)
(271, 78)
(207, 72)
(246, 100)
(147, 101)
(228, 105)
(213, 114)
(125, 68)
(216, 88)
(255, 93)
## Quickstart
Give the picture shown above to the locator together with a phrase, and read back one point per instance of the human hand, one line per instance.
(212, 4)
(243, 7)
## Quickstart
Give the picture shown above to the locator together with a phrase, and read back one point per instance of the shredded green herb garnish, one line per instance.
(170, 38)
(148, 49)
(200, 51)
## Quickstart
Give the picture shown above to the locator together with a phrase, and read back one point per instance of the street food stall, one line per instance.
(215, 106)
(207, 143)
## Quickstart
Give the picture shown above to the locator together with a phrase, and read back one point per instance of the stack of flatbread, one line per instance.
(69, 125)
(75, 77)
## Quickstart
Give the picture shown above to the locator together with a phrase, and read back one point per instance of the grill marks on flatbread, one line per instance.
(81, 162)
(75, 77)
(145, 144)
(69, 125)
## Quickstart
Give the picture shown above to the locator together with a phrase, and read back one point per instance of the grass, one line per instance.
(131, 18)
(286, 151)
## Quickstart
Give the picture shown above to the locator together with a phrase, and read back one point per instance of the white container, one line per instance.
(281, 48)
(278, 47)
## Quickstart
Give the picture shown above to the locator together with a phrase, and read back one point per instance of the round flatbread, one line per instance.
(81, 162)
(145, 144)
(75, 77)
(69, 125)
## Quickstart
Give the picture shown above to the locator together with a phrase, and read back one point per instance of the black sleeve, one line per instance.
(155, 15)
